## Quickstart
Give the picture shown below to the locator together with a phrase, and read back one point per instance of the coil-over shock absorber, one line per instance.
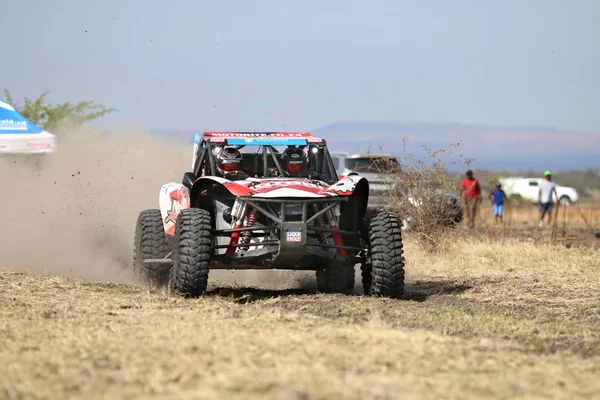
(247, 235)
(238, 214)
(322, 223)
(337, 238)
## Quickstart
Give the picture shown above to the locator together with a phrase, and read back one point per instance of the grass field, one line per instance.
(576, 225)
(486, 319)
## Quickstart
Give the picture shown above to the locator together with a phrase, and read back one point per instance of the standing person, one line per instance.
(497, 198)
(547, 187)
(472, 194)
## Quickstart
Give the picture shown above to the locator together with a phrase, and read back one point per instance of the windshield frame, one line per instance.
(321, 168)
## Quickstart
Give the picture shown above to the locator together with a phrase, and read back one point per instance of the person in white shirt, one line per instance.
(547, 188)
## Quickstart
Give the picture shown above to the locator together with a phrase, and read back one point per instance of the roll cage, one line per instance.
(265, 161)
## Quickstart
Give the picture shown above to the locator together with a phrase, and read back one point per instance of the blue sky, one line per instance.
(272, 64)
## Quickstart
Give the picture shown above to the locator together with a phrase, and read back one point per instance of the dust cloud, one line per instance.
(73, 212)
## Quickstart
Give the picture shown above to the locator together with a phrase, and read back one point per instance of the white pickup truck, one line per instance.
(528, 189)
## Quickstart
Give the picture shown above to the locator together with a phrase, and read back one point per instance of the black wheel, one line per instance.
(366, 273)
(193, 248)
(150, 243)
(336, 278)
(383, 273)
(350, 278)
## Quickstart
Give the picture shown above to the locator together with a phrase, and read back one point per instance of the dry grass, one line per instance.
(576, 226)
(576, 217)
(486, 320)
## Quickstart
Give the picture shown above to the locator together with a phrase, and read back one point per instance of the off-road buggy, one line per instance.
(243, 206)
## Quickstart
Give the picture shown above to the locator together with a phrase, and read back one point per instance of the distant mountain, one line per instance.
(490, 147)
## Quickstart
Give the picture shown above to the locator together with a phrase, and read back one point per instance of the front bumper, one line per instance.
(288, 238)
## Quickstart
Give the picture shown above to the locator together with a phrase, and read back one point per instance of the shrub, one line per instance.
(424, 195)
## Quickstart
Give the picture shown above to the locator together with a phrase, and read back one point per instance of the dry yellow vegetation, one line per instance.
(577, 217)
(483, 320)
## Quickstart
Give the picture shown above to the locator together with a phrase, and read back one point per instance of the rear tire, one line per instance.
(193, 250)
(383, 273)
(151, 243)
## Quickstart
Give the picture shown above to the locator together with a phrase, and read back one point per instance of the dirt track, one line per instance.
(507, 320)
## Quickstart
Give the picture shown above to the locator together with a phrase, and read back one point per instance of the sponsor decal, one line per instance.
(259, 134)
(267, 140)
(171, 216)
(179, 200)
(39, 146)
(6, 124)
(294, 236)
(314, 140)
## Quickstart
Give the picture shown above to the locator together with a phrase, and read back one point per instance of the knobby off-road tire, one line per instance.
(383, 273)
(337, 278)
(350, 278)
(193, 248)
(366, 273)
(150, 243)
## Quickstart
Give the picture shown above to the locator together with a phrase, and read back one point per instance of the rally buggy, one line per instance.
(268, 201)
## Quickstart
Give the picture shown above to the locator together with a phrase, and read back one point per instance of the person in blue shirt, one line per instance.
(497, 197)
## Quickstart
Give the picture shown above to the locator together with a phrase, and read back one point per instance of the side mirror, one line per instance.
(188, 179)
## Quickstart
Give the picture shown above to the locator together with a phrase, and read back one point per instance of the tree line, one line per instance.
(48, 116)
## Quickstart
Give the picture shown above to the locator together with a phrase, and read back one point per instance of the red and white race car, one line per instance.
(268, 200)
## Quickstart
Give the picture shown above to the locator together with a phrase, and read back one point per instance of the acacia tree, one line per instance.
(49, 116)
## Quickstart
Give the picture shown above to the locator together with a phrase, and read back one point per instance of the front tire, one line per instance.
(193, 249)
(383, 273)
(150, 243)
(350, 278)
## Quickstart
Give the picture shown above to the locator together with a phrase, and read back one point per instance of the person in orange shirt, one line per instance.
(471, 190)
